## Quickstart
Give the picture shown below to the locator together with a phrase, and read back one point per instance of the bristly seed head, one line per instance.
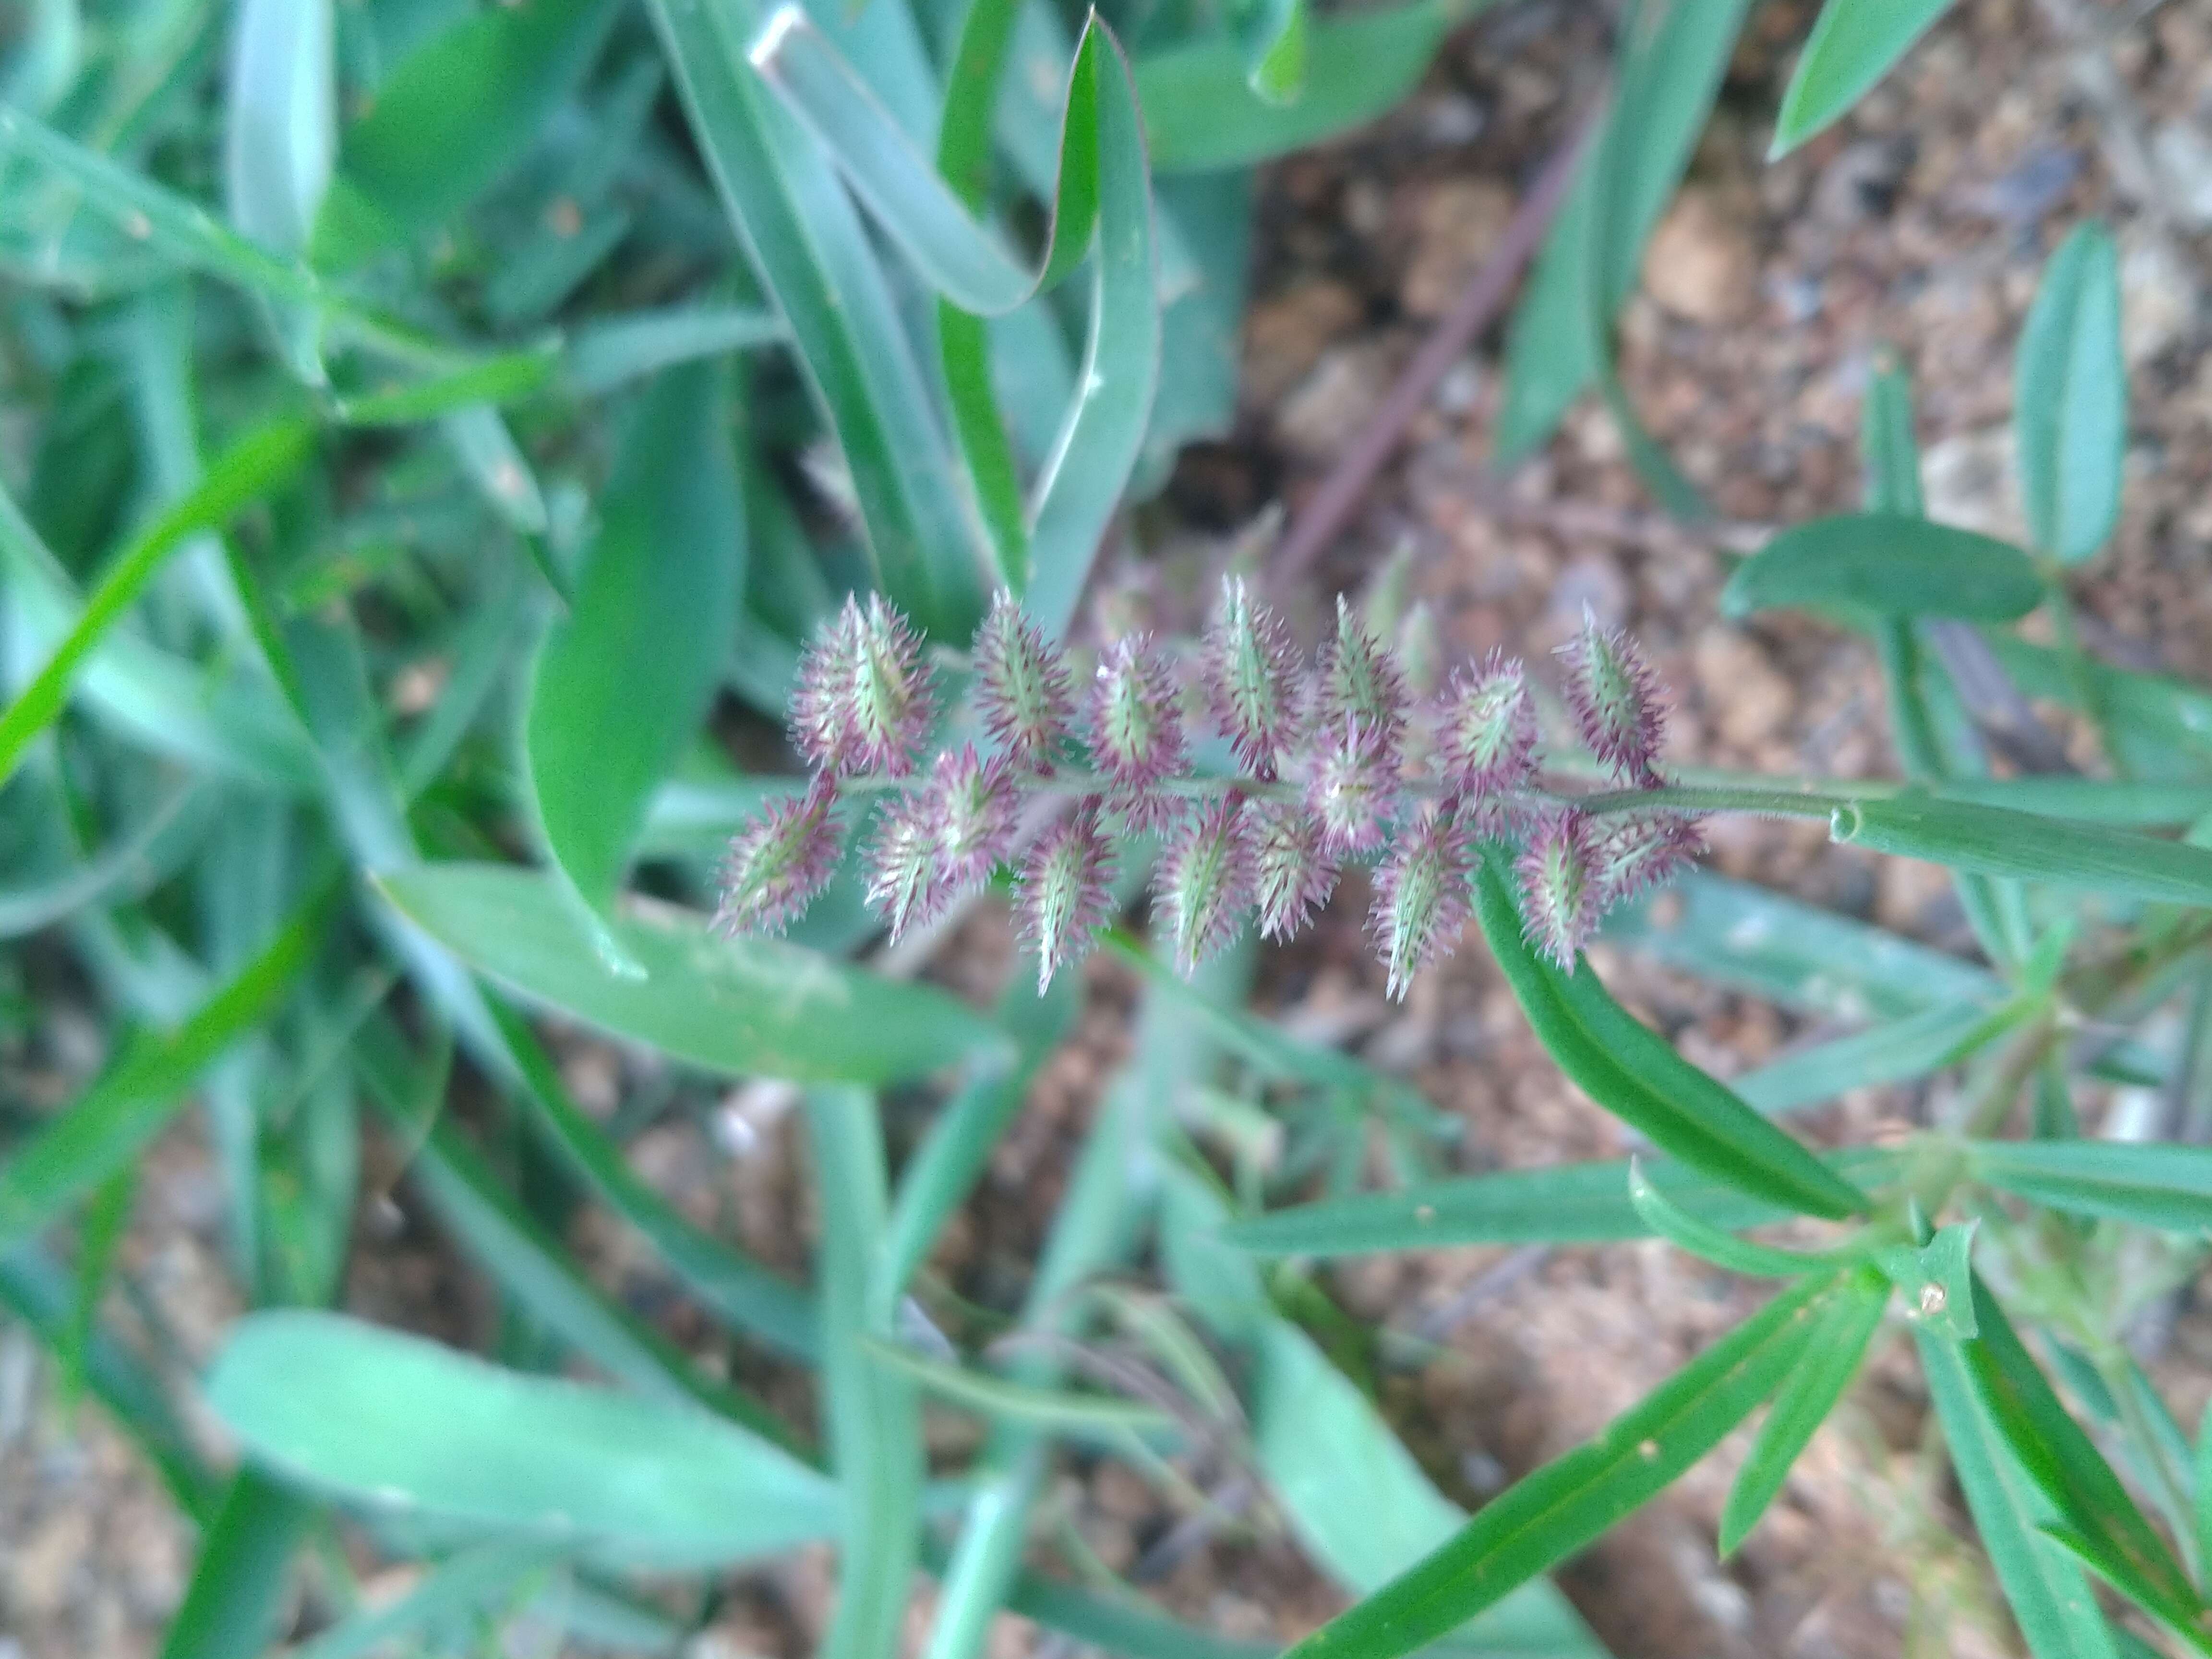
(1251, 678)
(1421, 900)
(1204, 881)
(1560, 902)
(1352, 790)
(1292, 877)
(1136, 717)
(1486, 740)
(974, 810)
(865, 698)
(1642, 853)
(779, 861)
(908, 884)
(1062, 894)
(1614, 698)
(1023, 693)
(1356, 681)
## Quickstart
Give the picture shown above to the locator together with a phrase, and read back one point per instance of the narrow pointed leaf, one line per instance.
(1635, 1074)
(1702, 1239)
(282, 119)
(1853, 45)
(2151, 1183)
(744, 1008)
(1896, 563)
(1996, 841)
(1828, 1365)
(1551, 1514)
(2070, 399)
(237, 1589)
(403, 1427)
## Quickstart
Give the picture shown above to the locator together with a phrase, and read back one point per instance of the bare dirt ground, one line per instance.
(1917, 226)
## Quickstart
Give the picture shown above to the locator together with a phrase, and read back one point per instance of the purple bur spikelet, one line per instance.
(1292, 876)
(1251, 678)
(865, 698)
(1486, 743)
(1614, 698)
(1204, 881)
(1559, 898)
(907, 883)
(1351, 789)
(1062, 894)
(1023, 694)
(1421, 897)
(1357, 686)
(779, 861)
(1642, 853)
(1136, 728)
(943, 840)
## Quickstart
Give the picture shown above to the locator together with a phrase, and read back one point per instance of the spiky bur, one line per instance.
(1614, 698)
(1639, 854)
(1204, 881)
(907, 885)
(1292, 876)
(1351, 789)
(1023, 693)
(1251, 680)
(1561, 896)
(864, 699)
(1136, 728)
(1062, 894)
(942, 842)
(1358, 687)
(1421, 896)
(1485, 745)
(779, 861)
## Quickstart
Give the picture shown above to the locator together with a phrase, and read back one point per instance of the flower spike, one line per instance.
(1644, 853)
(1355, 680)
(1614, 697)
(779, 861)
(1487, 745)
(908, 884)
(1021, 689)
(1251, 678)
(1421, 896)
(1292, 877)
(974, 810)
(1062, 894)
(1560, 902)
(1136, 730)
(1206, 881)
(864, 699)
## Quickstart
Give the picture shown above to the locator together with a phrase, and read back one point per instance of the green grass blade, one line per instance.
(1828, 1365)
(1701, 1239)
(112, 1122)
(38, 1294)
(1571, 1203)
(135, 858)
(2152, 1184)
(621, 684)
(2066, 1465)
(504, 378)
(610, 351)
(237, 1589)
(451, 118)
(921, 210)
(742, 1007)
(805, 238)
(1792, 953)
(1096, 1420)
(258, 464)
(281, 135)
(1082, 480)
(1666, 91)
(98, 1237)
(453, 1589)
(1635, 1075)
(874, 1412)
(736, 1289)
(2070, 399)
(2047, 1595)
(1854, 45)
(1996, 841)
(408, 1427)
(1550, 1515)
(1896, 563)
(1892, 1052)
(1202, 114)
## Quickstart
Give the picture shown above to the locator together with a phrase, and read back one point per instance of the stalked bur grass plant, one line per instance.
(1325, 777)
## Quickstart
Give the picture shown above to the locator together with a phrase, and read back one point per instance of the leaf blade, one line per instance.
(1895, 563)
